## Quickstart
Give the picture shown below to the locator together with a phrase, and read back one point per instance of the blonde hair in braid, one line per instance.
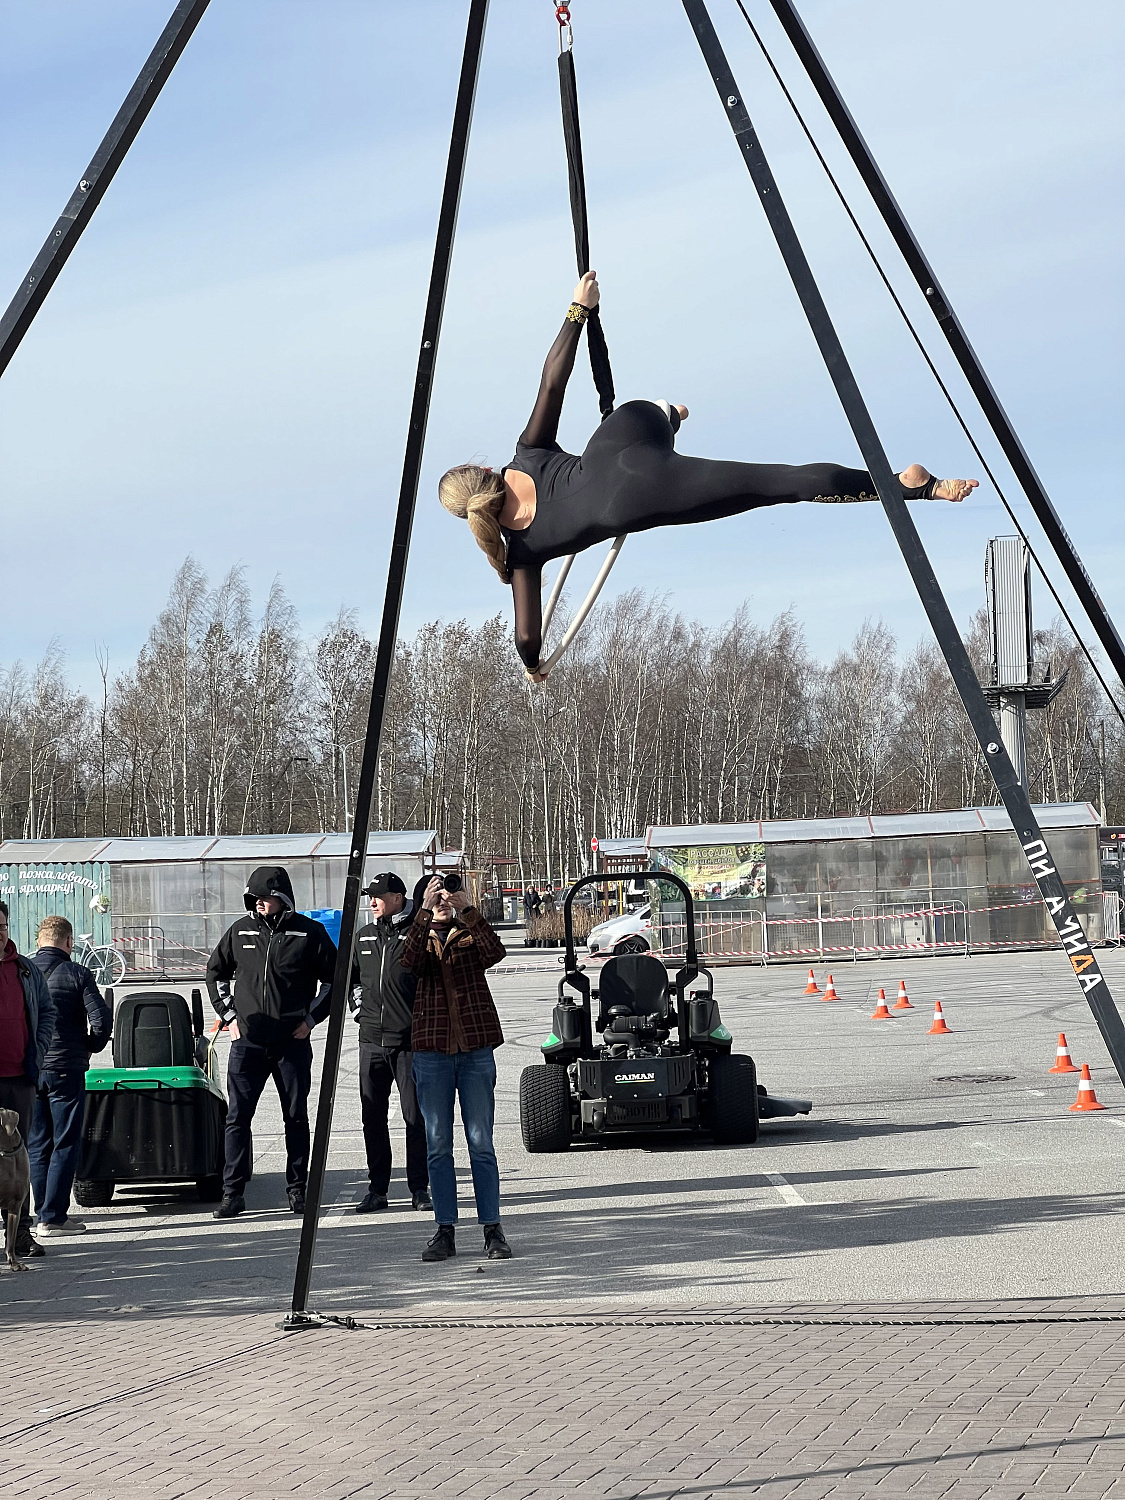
(476, 495)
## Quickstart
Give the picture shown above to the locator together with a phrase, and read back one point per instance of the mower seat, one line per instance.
(633, 986)
(153, 1030)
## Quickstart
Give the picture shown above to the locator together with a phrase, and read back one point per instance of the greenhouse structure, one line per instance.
(867, 887)
(165, 902)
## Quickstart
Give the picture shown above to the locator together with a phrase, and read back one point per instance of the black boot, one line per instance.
(422, 1201)
(371, 1203)
(232, 1205)
(442, 1246)
(496, 1247)
(296, 1200)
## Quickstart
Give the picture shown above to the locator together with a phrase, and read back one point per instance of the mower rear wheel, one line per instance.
(545, 1108)
(734, 1100)
(88, 1194)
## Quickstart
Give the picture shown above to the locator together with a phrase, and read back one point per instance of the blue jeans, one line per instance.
(55, 1141)
(472, 1076)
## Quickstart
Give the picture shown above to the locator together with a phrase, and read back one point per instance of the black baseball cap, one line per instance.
(387, 884)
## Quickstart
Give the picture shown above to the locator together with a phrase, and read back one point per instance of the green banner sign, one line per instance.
(717, 872)
(78, 892)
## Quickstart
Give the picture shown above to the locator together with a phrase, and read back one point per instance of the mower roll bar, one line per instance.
(576, 979)
(691, 957)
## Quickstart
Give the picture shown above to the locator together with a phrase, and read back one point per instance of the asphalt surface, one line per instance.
(931, 1168)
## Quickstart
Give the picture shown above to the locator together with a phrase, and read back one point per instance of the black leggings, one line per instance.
(635, 480)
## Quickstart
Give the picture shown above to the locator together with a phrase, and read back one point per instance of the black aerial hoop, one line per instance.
(1075, 943)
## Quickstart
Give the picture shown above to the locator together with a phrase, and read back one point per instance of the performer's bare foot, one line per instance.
(683, 411)
(945, 489)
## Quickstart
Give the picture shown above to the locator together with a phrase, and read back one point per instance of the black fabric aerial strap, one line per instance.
(572, 135)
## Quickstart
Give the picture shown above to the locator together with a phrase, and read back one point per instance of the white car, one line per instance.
(627, 934)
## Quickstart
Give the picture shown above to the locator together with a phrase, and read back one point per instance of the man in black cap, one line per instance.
(383, 1001)
(276, 958)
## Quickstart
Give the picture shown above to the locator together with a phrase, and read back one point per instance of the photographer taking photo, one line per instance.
(456, 1031)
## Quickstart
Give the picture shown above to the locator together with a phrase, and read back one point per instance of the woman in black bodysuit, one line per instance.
(546, 503)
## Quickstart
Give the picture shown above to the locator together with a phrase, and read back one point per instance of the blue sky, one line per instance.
(225, 365)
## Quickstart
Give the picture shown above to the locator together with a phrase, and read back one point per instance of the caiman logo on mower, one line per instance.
(634, 1078)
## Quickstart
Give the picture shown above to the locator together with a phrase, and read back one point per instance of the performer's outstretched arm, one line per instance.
(543, 424)
(527, 596)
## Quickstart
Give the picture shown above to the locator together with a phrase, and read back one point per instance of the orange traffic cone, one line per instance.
(881, 1013)
(902, 1003)
(1063, 1062)
(811, 987)
(939, 1028)
(830, 990)
(1087, 1099)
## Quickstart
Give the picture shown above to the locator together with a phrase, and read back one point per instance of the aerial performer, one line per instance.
(547, 504)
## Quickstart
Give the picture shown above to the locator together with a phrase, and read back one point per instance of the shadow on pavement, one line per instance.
(726, 1250)
(715, 1185)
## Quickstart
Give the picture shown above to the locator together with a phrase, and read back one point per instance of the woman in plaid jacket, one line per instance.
(455, 1033)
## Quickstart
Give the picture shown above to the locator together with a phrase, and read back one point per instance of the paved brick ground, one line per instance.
(680, 1319)
(709, 1403)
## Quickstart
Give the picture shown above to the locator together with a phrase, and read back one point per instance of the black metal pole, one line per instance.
(98, 176)
(1015, 799)
(958, 341)
(388, 633)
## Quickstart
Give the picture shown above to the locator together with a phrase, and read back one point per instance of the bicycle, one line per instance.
(105, 963)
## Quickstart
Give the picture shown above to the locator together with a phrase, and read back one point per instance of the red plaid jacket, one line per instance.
(453, 1009)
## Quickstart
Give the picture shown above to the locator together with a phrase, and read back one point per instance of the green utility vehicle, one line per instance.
(158, 1115)
(663, 1062)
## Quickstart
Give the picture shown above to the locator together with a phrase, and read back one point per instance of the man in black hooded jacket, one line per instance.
(276, 959)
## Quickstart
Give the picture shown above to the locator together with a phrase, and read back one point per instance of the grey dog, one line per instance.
(15, 1179)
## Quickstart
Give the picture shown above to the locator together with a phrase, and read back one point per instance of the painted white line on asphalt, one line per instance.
(789, 1193)
(1119, 1123)
(344, 1200)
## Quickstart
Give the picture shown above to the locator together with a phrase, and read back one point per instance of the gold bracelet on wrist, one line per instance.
(576, 313)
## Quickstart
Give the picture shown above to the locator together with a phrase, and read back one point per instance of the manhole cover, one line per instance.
(976, 1078)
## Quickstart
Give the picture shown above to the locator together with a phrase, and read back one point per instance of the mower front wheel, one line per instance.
(734, 1100)
(545, 1108)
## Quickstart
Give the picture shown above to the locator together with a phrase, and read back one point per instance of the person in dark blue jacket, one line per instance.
(83, 1025)
(27, 1022)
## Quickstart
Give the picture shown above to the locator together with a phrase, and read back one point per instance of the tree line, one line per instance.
(232, 722)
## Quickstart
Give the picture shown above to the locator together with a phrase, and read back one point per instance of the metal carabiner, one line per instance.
(566, 33)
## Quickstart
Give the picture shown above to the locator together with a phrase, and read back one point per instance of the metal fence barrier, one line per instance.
(905, 927)
(1111, 917)
(870, 929)
(142, 949)
(722, 934)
